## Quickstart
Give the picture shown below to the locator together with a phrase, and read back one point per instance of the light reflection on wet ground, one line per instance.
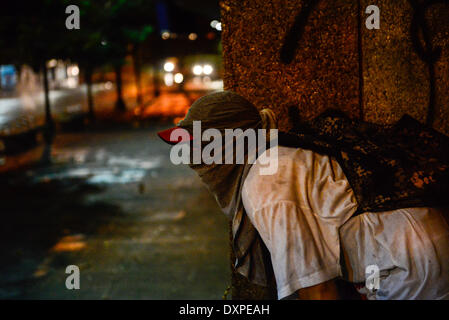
(137, 226)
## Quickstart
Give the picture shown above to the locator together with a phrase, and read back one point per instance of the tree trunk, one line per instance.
(90, 100)
(156, 84)
(49, 130)
(48, 116)
(137, 74)
(120, 104)
(181, 86)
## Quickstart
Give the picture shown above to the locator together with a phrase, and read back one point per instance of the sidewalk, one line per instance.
(112, 203)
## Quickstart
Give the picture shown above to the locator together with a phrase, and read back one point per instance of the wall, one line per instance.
(376, 75)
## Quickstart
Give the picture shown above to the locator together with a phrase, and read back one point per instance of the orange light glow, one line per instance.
(70, 243)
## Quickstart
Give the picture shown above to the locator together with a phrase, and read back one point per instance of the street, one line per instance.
(28, 106)
(111, 203)
(85, 182)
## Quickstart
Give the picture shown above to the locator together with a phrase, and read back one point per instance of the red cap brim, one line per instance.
(166, 136)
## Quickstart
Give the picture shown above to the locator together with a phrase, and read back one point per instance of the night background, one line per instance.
(84, 178)
(86, 181)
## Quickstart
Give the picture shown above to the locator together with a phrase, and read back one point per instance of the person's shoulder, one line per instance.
(279, 154)
(262, 188)
(282, 160)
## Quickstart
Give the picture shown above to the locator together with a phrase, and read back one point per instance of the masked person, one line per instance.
(306, 221)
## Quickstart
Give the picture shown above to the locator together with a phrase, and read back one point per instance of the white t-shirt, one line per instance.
(410, 248)
(299, 211)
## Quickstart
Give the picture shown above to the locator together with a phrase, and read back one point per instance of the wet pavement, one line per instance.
(137, 226)
(26, 109)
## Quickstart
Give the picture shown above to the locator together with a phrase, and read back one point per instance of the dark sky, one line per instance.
(206, 8)
(185, 16)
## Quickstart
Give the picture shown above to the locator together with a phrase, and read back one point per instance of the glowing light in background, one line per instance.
(70, 243)
(52, 63)
(193, 36)
(168, 79)
(165, 35)
(179, 78)
(210, 35)
(72, 83)
(169, 66)
(207, 69)
(73, 71)
(197, 70)
(214, 23)
(108, 85)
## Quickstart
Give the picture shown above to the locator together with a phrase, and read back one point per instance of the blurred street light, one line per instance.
(210, 35)
(179, 78)
(214, 23)
(193, 36)
(73, 71)
(165, 35)
(207, 69)
(169, 66)
(52, 63)
(168, 79)
(108, 85)
(197, 70)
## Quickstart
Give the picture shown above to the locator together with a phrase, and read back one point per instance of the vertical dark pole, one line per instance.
(120, 105)
(137, 74)
(48, 116)
(90, 100)
(49, 129)
(156, 83)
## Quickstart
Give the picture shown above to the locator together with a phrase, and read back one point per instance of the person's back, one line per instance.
(410, 248)
(297, 212)
(303, 212)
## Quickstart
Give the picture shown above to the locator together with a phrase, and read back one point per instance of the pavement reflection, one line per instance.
(111, 203)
